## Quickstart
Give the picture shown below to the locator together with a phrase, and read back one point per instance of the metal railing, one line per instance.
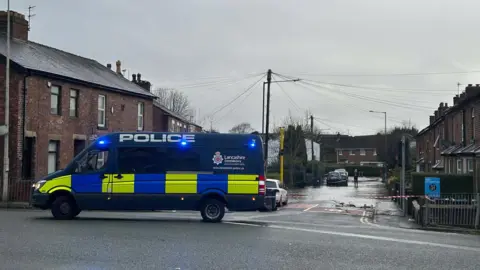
(19, 192)
(460, 209)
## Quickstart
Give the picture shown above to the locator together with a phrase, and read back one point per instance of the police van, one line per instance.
(205, 172)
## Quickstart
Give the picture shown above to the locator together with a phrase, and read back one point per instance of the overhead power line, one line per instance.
(298, 108)
(236, 97)
(388, 74)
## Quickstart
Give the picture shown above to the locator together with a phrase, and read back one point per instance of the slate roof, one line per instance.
(156, 103)
(37, 57)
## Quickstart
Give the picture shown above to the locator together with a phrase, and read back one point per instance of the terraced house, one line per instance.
(59, 101)
(450, 142)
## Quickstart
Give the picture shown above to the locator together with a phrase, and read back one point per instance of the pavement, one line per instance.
(315, 232)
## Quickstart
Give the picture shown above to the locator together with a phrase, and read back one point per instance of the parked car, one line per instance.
(281, 195)
(336, 178)
(342, 171)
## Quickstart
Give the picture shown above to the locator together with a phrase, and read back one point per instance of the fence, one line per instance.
(459, 209)
(19, 191)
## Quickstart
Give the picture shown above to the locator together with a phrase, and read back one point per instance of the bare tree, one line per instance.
(174, 100)
(242, 128)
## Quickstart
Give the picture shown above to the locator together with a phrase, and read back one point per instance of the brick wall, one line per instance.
(160, 120)
(121, 115)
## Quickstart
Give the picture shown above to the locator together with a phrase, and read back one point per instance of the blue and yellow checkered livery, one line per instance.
(155, 184)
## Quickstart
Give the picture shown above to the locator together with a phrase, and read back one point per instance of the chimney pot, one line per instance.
(446, 105)
(139, 77)
(470, 85)
(119, 67)
(134, 78)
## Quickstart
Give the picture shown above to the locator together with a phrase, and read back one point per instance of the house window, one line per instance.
(140, 110)
(101, 110)
(459, 166)
(73, 103)
(362, 152)
(340, 152)
(352, 153)
(52, 156)
(55, 100)
(470, 165)
(374, 152)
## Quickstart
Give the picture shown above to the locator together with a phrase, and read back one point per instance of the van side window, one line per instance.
(92, 161)
(157, 159)
(139, 160)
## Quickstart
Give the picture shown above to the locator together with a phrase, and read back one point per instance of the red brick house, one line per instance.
(449, 143)
(165, 120)
(357, 149)
(59, 101)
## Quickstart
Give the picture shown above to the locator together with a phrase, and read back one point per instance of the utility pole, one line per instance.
(311, 145)
(30, 15)
(402, 177)
(282, 142)
(6, 160)
(263, 109)
(267, 121)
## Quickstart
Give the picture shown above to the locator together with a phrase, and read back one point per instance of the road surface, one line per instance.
(292, 238)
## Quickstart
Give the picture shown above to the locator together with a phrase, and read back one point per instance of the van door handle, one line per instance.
(118, 176)
(103, 176)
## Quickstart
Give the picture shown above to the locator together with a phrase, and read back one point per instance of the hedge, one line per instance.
(449, 183)
(367, 170)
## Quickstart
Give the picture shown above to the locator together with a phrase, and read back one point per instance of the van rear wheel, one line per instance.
(212, 210)
(64, 208)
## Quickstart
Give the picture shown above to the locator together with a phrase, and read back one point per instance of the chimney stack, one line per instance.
(18, 25)
(139, 77)
(109, 66)
(455, 100)
(436, 114)
(432, 119)
(119, 67)
(134, 78)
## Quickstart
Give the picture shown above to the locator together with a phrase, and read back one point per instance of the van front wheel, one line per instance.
(212, 210)
(64, 208)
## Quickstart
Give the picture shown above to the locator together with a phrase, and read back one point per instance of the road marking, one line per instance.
(244, 224)
(372, 237)
(306, 210)
(304, 223)
(269, 215)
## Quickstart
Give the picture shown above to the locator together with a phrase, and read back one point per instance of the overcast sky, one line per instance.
(210, 49)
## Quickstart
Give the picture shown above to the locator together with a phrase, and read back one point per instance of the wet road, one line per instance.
(292, 238)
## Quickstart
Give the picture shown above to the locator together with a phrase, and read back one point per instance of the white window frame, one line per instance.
(102, 120)
(374, 152)
(140, 114)
(340, 152)
(351, 153)
(459, 165)
(58, 95)
(469, 165)
(74, 93)
(54, 153)
(362, 152)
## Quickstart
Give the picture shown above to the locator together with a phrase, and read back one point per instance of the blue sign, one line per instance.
(432, 187)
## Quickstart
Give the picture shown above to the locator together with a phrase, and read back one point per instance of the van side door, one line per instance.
(91, 180)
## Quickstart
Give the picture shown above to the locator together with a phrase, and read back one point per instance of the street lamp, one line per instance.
(386, 145)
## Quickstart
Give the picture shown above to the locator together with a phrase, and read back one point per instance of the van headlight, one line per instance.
(38, 184)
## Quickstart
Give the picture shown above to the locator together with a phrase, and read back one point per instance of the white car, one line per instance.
(281, 197)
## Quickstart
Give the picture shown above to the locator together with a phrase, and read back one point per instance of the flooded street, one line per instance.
(367, 193)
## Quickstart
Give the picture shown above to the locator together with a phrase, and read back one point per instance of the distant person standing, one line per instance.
(355, 178)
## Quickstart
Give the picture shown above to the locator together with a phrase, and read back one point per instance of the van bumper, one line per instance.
(39, 200)
(245, 202)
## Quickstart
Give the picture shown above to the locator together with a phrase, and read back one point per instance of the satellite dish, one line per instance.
(3, 130)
